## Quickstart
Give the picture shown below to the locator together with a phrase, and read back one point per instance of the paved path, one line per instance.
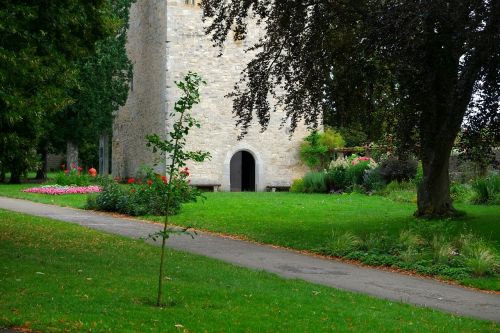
(288, 264)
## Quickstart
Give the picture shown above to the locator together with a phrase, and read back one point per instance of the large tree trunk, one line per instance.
(434, 192)
(439, 128)
(15, 177)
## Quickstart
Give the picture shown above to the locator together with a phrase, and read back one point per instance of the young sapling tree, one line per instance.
(173, 147)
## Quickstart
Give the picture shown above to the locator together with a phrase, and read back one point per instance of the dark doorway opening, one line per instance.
(242, 172)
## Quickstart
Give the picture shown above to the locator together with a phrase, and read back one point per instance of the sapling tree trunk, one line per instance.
(164, 235)
(173, 148)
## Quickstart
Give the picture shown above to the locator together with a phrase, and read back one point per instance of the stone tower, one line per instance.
(165, 41)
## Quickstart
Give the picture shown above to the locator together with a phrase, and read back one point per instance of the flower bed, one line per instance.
(60, 190)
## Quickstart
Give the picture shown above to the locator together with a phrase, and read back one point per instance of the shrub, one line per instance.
(331, 139)
(461, 192)
(355, 173)
(110, 199)
(486, 190)
(315, 182)
(395, 186)
(73, 177)
(315, 150)
(336, 179)
(143, 196)
(393, 169)
(372, 181)
(410, 255)
(441, 249)
(297, 186)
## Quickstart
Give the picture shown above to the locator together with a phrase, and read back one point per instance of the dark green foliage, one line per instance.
(73, 177)
(486, 190)
(39, 48)
(419, 249)
(112, 198)
(399, 170)
(372, 180)
(145, 197)
(337, 179)
(354, 137)
(103, 85)
(356, 173)
(315, 182)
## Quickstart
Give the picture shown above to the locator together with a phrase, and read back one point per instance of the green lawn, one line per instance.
(57, 277)
(15, 191)
(304, 221)
(307, 221)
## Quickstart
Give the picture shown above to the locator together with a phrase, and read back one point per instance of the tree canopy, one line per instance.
(410, 65)
(103, 85)
(50, 50)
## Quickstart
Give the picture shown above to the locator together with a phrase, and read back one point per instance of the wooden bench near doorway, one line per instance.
(277, 188)
(208, 187)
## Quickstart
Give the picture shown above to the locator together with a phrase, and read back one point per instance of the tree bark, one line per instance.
(15, 177)
(41, 173)
(104, 154)
(434, 198)
(71, 155)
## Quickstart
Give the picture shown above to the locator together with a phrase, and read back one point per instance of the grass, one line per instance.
(57, 277)
(308, 221)
(15, 191)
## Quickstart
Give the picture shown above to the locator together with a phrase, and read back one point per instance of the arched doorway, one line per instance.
(242, 172)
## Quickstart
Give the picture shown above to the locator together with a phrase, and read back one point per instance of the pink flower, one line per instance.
(59, 190)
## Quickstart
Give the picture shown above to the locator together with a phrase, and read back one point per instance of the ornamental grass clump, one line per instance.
(314, 182)
(480, 258)
(486, 190)
(341, 244)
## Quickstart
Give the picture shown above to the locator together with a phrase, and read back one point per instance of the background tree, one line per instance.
(427, 59)
(39, 44)
(103, 85)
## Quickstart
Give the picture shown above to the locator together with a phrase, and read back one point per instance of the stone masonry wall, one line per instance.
(188, 49)
(165, 41)
(144, 112)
